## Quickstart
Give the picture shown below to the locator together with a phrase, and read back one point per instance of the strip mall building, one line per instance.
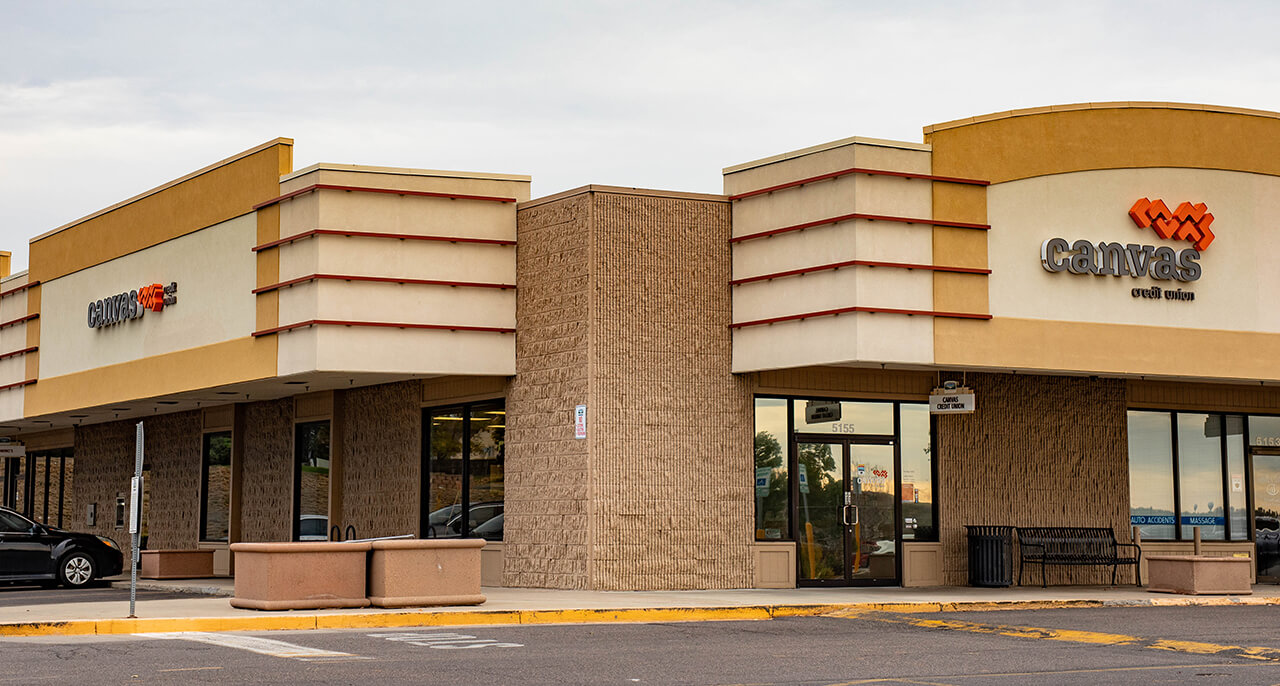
(638, 389)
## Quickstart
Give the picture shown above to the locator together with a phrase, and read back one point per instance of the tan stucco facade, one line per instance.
(379, 300)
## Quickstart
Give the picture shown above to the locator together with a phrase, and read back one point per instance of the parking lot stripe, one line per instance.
(253, 644)
(1068, 635)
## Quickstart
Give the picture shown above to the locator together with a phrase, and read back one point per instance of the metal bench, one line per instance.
(1075, 545)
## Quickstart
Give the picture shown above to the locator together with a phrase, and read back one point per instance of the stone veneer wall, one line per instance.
(104, 464)
(173, 447)
(546, 521)
(1039, 451)
(624, 306)
(267, 498)
(382, 459)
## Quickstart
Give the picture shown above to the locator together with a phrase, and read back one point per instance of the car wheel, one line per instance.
(76, 570)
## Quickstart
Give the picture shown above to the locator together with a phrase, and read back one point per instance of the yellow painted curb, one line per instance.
(426, 618)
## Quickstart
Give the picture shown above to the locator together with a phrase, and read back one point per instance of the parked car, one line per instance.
(490, 530)
(479, 514)
(439, 519)
(34, 552)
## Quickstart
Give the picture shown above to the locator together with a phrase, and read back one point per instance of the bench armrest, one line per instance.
(1135, 546)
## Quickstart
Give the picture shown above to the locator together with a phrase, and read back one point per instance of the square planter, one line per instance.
(299, 576)
(432, 571)
(176, 564)
(1199, 575)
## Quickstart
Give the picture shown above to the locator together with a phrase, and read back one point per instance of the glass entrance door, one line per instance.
(1266, 513)
(846, 513)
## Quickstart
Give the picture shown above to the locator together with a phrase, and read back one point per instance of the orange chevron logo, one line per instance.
(1187, 223)
(152, 297)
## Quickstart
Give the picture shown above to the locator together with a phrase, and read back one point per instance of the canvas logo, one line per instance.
(1189, 222)
(132, 305)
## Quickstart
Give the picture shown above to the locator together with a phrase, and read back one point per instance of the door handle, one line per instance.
(844, 515)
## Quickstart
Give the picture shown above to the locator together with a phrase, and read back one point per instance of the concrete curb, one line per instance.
(218, 591)
(430, 618)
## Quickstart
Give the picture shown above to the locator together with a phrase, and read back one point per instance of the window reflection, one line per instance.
(465, 477)
(843, 417)
(1200, 475)
(1237, 503)
(772, 449)
(445, 479)
(487, 431)
(215, 504)
(311, 480)
(1151, 474)
(917, 473)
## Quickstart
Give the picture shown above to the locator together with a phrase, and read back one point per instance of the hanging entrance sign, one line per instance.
(952, 400)
(818, 412)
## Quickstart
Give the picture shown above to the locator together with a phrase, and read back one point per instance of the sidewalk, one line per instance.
(201, 611)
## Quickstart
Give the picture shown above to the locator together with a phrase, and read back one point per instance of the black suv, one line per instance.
(35, 552)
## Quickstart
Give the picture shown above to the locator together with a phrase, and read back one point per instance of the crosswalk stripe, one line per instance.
(253, 644)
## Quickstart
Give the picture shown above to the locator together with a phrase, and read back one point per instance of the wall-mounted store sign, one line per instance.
(1189, 222)
(952, 400)
(131, 305)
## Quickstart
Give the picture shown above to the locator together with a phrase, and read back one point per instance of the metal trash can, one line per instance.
(990, 555)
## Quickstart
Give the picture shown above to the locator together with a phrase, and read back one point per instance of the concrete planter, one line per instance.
(176, 564)
(1199, 574)
(431, 571)
(299, 576)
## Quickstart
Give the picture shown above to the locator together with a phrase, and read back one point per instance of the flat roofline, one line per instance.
(1118, 105)
(171, 184)
(622, 190)
(822, 147)
(404, 171)
(15, 275)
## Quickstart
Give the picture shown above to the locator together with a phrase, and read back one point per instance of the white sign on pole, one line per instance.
(953, 402)
(580, 421)
(135, 502)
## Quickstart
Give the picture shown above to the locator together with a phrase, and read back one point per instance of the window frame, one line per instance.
(465, 409)
(205, 437)
(296, 525)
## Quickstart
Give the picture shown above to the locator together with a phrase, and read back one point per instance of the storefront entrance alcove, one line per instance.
(845, 481)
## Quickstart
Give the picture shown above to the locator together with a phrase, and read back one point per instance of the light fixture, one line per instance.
(166, 402)
(294, 383)
(78, 416)
(228, 393)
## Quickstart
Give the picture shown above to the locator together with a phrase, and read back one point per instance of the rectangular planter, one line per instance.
(1199, 575)
(176, 564)
(300, 576)
(432, 571)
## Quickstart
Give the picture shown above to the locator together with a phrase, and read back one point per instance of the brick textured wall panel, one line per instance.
(104, 465)
(382, 459)
(1039, 451)
(547, 517)
(173, 456)
(267, 496)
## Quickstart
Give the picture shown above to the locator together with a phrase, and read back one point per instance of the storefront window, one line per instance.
(1264, 431)
(1151, 474)
(465, 471)
(843, 417)
(487, 430)
(311, 481)
(1200, 475)
(215, 485)
(1237, 502)
(772, 449)
(917, 473)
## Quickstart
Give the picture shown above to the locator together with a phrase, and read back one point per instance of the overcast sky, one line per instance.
(100, 101)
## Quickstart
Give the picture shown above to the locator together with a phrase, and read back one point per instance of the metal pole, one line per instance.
(134, 528)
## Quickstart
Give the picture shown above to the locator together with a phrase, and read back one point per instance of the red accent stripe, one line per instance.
(858, 263)
(363, 189)
(874, 310)
(19, 320)
(15, 353)
(19, 289)
(28, 382)
(859, 170)
(387, 325)
(858, 215)
(377, 234)
(381, 279)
